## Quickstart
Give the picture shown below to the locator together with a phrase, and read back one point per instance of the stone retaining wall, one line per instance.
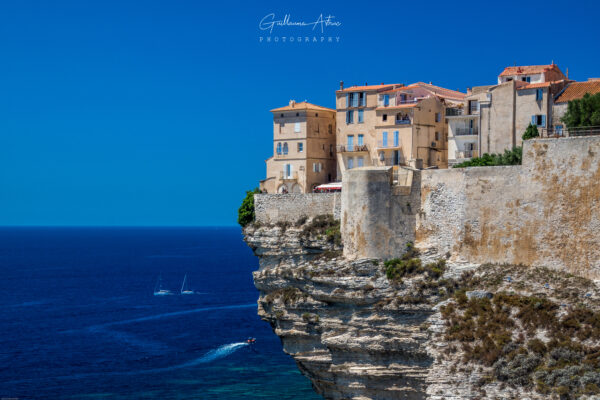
(273, 208)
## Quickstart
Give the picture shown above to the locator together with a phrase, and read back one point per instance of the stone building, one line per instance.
(391, 125)
(501, 113)
(303, 149)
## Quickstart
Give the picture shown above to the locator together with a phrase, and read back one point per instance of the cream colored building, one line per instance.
(303, 149)
(391, 125)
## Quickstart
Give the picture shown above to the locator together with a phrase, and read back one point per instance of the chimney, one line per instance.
(567, 72)
(469, 91)
(341, 85)
(292, 103)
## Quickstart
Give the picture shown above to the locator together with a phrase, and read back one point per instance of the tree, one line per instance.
(583, 112)
(246, 210)
(531, 132)
(510, 157)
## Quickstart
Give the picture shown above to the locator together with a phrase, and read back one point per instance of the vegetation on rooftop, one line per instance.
(531, 132)
(510, 157)
(583, 112)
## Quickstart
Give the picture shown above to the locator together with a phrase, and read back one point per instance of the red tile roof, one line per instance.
(304, 105)
(368, 87)
(577, 90)
(535, 85)
(435, 90)
(529, 69)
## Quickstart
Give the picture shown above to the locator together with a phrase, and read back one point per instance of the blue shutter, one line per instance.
(347, 101)
(396, 139)
(533, 121)
(364, 99)
(544, 121)
(384, 141)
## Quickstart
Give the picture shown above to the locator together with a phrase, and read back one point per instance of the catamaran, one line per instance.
(184, 289)
(158, 290)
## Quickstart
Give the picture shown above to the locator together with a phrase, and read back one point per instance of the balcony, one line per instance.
(292, 177)
(385, 144)
(465, 131)
(403, 121)
(453, 112)
(351, 148)
(460, 154)
(391, 161)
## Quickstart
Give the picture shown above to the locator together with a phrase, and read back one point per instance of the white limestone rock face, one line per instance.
(351, 331)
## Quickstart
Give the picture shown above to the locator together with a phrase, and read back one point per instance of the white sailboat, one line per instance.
(158, 289)
(184, 289)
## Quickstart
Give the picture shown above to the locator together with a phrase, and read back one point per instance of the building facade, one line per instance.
(303, 149)
(392, 125)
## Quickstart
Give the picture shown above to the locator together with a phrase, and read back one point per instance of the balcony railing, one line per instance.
(388, 144)
(345, 148)
(405, 121)
(465, 131)
(283, 175)
(578, 131)
(391, 161)
(452, 112)
(467, 153)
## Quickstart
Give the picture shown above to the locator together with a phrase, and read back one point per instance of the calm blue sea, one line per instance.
(79, 318)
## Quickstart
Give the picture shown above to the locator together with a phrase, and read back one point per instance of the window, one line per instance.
(526, 79)
(279, 148)
(473, 106)
(363, 99)
(538, 120)
(285, 149)
(361, 139)
(386, 100)
(350, 142)
(539, 94)
(437, 117)
(360, 116)
(402, 98)
(384, 117)
(297, 114)
(317, 114)
(558, 129)
(350, 163)
(297, 127)
(331, 150)
(353, 99)
(350, 117)
(317, 167)
(287, 172)
(396, 138)
(360, 161)
(330, 129)
(437, 136)
(281, 115)
(300, 147)
(281, 126)
(384, 139)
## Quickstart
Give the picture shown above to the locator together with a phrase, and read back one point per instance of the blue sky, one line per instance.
(156, 112)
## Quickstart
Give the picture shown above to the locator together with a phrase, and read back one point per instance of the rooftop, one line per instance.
(369, 87)
(576, 90)
(433, 89)
(529, 69)
(302, 106)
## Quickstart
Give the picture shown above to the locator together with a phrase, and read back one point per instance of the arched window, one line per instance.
(285, 148)
(278, 148)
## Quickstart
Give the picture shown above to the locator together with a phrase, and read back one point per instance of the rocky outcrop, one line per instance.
(361, 331)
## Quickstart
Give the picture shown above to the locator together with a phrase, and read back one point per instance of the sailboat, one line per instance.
(184, 289)
(158, 290)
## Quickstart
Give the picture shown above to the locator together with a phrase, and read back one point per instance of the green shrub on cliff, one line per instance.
(410, 264)
(246, 210)
(510, 157)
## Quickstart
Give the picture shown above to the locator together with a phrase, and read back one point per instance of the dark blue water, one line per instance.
(79, 318)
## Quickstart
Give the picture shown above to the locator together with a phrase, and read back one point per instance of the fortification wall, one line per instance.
(545, 212)
(273, 208)
(378, 218)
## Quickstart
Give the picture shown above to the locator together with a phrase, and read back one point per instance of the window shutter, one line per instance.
(544, 121)
(347, 100)
(533, 121)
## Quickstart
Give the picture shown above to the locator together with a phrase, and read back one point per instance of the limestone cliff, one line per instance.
(360, 332)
